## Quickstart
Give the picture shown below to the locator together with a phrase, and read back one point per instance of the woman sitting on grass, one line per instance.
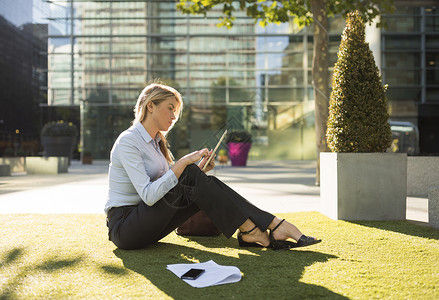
(150, 195)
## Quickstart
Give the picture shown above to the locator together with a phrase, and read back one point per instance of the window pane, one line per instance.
(286, 94)
(168, 60)
(432, 23)
(433, 94)
(129, 27)
(433, 76)
(128, 44)
(58, 96)
(93, 44)
(290, 78)
(432, 42)
(59, 79)
(403, 24)
(403, 77)
(402, 60)
(403, 42)
(432, 59)
(403, 93)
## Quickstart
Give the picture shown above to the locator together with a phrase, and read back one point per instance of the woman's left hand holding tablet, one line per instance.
(211, 164)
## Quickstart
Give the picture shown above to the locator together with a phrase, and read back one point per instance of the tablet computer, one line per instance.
(214, 150)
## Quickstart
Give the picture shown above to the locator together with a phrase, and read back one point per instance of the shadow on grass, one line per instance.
(267, 273)
(404, 227)
(16, 255)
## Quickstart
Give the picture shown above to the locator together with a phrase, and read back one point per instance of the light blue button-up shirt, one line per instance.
(138, 170)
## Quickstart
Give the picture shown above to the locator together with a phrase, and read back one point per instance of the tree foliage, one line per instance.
(280, 11)
(358, 117)
(304, 12)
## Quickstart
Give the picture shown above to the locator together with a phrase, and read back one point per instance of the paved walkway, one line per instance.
(275, 186)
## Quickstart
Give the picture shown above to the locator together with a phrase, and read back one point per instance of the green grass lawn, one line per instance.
(69, 256)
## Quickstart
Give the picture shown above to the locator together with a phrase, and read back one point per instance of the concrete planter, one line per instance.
(46, 165)
(422, 174)
(433, 207)
(17, 163)
(58, 145)
(363, 186)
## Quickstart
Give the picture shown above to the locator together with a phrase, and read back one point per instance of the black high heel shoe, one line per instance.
(307, 241)
(282, 245)
(279, 244)
(243, 243)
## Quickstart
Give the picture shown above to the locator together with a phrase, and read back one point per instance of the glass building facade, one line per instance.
(102, 53)
(23, 65)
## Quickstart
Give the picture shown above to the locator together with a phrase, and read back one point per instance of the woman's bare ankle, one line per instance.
(285, 230)
(257, 236)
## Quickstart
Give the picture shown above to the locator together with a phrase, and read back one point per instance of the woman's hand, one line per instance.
(195, 156)
(211, 164)
(188, 159)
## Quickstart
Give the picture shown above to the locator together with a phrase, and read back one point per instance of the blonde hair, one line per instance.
(157, 93)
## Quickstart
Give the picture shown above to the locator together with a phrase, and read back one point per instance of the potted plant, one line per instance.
(222, 156)
(87, 157)
(58, 138)
(358, 180)
(239, 143)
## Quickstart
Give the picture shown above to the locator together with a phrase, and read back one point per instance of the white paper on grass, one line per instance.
(214, 275)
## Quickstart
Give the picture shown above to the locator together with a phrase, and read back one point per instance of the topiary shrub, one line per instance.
(358, 117)
(59, 128)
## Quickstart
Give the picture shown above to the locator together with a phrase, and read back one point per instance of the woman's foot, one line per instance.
(253, 238)
(307, 241)
(284, 230)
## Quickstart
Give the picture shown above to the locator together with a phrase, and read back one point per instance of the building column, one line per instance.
(373, 37)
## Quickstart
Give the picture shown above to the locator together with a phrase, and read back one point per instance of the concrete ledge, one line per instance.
(5, 170)
(422, 174)
(433, 207)
(47, 165)
(16, 163)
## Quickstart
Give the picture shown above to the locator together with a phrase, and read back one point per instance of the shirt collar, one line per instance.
(145, 135)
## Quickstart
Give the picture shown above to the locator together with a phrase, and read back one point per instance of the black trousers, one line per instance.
(137, 226)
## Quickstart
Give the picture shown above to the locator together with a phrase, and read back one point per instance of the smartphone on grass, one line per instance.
(192, 274)
(214, 150)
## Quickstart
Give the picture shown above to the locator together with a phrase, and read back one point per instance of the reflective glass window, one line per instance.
(402, 42)
(402, 59)
(92, 10)
(59, 79)
(432, 23)
(401, 93)
(432, 42)
(432, 76)
(129, 27)
(287, 77)
(286, 94)
(93, 44)
(433, 93)
(166, 43)
(121, 44)
(403, 24)
(432, 59)
(403, 77)
(58, 96)
(59, 45)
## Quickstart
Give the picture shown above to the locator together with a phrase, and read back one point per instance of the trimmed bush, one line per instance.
(59, 128)
(358, 117)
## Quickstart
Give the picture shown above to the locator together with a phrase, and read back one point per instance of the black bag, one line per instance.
(199, 224)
